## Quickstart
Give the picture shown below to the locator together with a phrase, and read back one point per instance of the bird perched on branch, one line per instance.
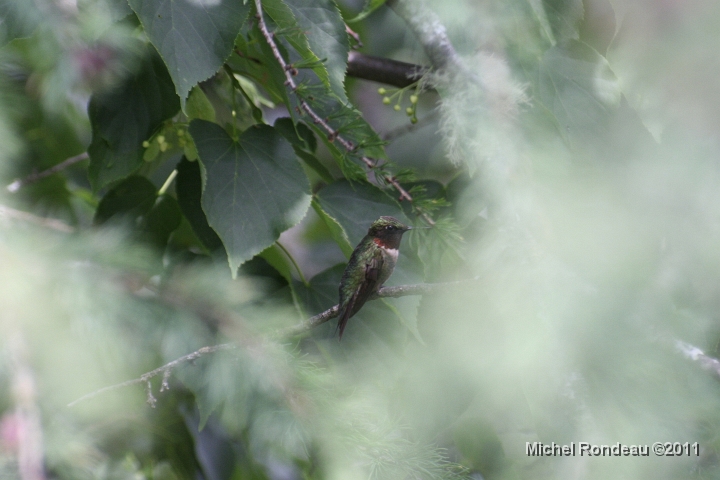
(371, 264)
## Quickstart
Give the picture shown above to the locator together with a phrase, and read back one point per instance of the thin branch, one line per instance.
(165, 370)
(26, 414)
(333, 135)
(384, 292)
(292, 260)
(30, 218)
(310, 323)
(383, 70)
(34, 177)
(695, 354)
(354, 36)
(430, 32)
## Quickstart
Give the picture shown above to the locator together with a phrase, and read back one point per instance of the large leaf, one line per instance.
(254, 187)
(578, 87)
(194, 38)
(321, 22)
(123, 118)
(128, 200)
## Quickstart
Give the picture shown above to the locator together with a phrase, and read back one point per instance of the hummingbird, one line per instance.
(371, 264)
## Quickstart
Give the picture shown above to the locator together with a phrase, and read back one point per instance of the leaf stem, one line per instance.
(168, 182)
(297, 267)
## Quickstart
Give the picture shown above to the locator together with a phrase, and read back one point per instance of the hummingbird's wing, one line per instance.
(363, 292)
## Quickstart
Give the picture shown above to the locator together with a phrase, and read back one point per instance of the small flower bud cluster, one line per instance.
(388, 97)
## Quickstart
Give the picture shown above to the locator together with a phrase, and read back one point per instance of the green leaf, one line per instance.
(119, 9)
(370, 6)
(312, 162)
(324, 27)
(198, 106)
(188, 186)
(18, 18)
(313, 88)
(542, 18)
(336, 231)
(303, 142)
(299, 135)
(218, 380)
(162, 219)
(405, 309)
(356, 205)
(564, 17)
(290, 30)
(194, 38)
(129, 200)
(124, 117)
(278, 260)
(578, 87)
(255, 60)
(323, 291)
(255, 188)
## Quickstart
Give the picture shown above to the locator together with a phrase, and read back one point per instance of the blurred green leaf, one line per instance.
(577, 85)
(216, 380)
(18, 19)
(564, 17)
(193, 38)
(126, 116)
(162, 219)
(130, 199)
(323, 291)
(255, 188)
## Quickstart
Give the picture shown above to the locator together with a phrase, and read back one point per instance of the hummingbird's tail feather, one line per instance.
(346, 314)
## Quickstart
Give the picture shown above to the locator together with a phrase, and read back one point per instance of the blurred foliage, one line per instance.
(571, 176)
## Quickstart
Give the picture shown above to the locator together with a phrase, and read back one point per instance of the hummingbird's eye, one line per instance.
(388, 227)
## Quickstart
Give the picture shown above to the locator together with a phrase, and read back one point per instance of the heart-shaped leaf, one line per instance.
(254, 190)
(194, 38)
